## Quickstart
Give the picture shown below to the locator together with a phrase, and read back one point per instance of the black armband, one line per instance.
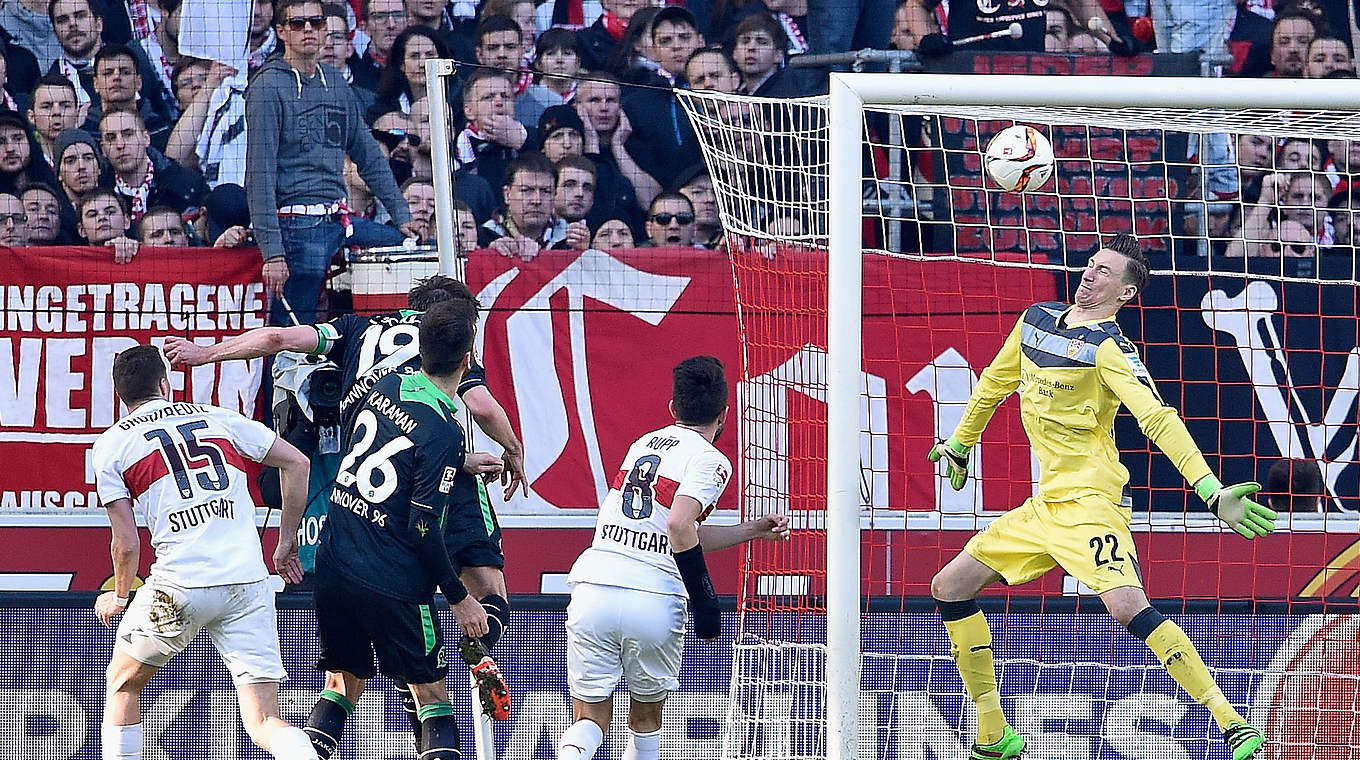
(694, 572)
(703, 602)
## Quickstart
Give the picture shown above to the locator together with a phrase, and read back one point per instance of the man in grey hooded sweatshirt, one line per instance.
(301, 122)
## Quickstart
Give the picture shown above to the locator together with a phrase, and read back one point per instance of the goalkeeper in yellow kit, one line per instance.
(1073, 369)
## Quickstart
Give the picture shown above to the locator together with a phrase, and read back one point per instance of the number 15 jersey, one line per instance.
(632, 547)
(183, 465)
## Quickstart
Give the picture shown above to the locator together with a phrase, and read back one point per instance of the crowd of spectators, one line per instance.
(566, 128)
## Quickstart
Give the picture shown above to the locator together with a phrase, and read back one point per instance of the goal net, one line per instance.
(1242, 194)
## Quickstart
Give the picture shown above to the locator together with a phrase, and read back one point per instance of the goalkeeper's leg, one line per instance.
(955, 589)
(1182, 661)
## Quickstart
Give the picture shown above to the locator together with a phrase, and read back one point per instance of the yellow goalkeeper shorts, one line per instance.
(1088, 537)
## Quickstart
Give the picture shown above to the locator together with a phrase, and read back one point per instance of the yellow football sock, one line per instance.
(972, 649)
(1184, 664)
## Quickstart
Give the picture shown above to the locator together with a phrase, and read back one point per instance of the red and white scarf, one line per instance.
(9, 101)
(614, 25)
(525, 81)
(798, 44)
(71, 71)
(139, 195)
(465, 150)
(143, 25)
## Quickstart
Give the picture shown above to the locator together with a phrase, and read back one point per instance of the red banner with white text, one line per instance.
(65, 313)
(579, 348)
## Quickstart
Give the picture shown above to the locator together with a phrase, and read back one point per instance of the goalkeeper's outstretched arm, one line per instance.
(1164, 427)
(998, 381)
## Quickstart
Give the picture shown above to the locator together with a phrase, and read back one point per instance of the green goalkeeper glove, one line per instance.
(1233, 507)
(955, 456)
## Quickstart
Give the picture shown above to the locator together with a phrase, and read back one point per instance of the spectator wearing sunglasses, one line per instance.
(670, 222)
(302, 121)
(393, 132)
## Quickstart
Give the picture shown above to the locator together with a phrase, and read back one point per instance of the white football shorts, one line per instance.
(615, 632)
(239, 617)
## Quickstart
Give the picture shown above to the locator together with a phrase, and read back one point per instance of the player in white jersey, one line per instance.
(629, 589)
(183, 465)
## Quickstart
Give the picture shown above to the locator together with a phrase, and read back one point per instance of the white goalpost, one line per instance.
(799, 184)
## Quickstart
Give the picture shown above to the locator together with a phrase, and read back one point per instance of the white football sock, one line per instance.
(289, 743)
(121, 742)
(643, 746)
(580, 741)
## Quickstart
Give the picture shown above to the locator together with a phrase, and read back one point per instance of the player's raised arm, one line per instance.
(1123, 372)
(998, 381)
(262, 341)
(492, 419)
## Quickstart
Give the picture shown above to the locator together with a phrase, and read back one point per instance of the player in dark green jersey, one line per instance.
(383, 551)
(365, 347)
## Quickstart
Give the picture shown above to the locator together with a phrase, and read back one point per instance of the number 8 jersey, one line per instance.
(632, 547)
(183, 465)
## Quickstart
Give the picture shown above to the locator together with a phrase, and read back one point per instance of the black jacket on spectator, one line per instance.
(724, 30)
(459, 39)
(377, 108)
(476, 193)
(492, 158)
(366, 71)
(22, 72)
(117, 22)
(783, 83)
(614, 194)
(595, 45)
(1249, 43)
(663, 141)
(176, 186)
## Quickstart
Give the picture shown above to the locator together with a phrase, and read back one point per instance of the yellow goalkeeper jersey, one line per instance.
(1072, 378)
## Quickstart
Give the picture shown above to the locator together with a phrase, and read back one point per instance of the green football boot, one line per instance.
(1010, 745)
(1244, 740)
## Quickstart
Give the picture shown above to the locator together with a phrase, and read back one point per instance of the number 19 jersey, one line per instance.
(632, 547)
(183, 465)
(377, 344)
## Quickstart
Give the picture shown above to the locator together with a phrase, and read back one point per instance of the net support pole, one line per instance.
(844, 278)
(436, 69)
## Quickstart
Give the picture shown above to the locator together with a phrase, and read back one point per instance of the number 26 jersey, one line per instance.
(631, 548)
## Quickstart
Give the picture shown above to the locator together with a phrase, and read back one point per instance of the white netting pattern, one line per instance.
(1187, 181)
